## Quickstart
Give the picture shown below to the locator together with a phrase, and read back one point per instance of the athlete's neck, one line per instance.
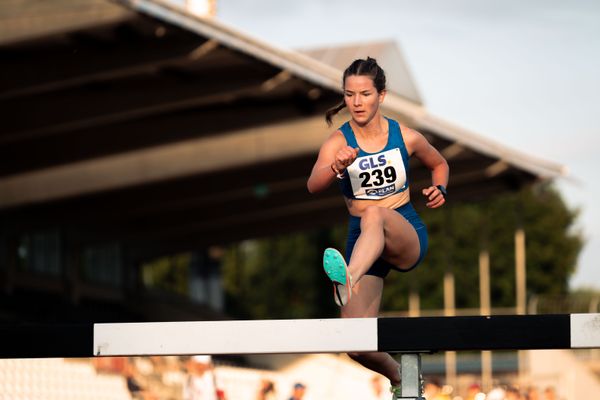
(375, 127)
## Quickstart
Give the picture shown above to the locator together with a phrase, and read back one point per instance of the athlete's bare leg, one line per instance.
(365, 303)
(387, 234)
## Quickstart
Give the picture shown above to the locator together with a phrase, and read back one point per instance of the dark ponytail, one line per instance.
(360, 67)
(333, 111)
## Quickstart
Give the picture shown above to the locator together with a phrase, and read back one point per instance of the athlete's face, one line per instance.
(362, 98)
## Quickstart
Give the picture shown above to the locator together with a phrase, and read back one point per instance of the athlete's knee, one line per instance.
(372, 215)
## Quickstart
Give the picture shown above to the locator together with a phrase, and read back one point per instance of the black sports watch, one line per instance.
(443, 190)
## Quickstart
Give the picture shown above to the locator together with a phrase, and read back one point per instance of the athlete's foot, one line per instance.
(337, 270)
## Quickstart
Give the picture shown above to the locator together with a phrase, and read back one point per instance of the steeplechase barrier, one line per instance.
(430, 334)
(408, 336)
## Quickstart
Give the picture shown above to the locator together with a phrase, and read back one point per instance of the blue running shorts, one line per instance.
(381, 268)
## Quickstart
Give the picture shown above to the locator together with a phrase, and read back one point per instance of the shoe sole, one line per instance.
(336, 269)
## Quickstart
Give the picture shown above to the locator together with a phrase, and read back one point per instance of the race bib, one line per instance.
(377, 176)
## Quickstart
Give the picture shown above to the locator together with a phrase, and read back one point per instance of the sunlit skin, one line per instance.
(384, 232)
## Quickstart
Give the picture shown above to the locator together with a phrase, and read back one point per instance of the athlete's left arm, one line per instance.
(419, 147)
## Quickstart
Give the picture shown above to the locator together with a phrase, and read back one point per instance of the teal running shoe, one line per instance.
(336, 269)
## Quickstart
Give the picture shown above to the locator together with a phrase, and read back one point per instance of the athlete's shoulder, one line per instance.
(335, 140)
(336, 135)
(413, 139)
(341, 132)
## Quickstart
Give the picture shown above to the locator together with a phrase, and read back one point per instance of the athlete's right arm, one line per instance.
(334, 155)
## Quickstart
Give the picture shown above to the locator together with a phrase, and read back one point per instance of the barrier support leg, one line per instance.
(411, 385)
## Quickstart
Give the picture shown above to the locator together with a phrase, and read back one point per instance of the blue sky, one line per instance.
(525, 73)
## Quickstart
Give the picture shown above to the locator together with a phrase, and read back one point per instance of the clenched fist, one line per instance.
(344, 157)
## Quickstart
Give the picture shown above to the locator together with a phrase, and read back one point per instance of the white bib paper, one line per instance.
(377, 176)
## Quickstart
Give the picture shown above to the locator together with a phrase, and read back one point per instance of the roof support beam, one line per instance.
(452, 151)
(278, 80)
(496, 168)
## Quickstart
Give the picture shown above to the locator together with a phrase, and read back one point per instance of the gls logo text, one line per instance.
(366, 163)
